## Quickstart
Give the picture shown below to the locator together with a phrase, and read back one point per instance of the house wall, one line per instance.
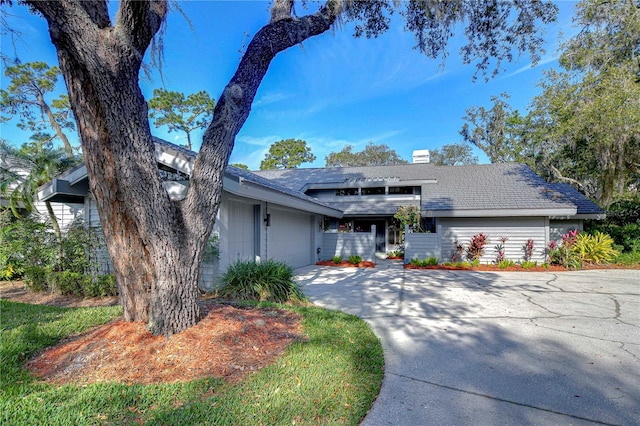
(345, 244)
(66, 213)
(559, 227)
(290, 236)
(518, 230)
(421, 246)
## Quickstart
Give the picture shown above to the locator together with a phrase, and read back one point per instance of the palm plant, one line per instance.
(24, 169)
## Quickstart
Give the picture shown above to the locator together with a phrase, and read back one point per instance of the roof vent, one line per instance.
(421, 156)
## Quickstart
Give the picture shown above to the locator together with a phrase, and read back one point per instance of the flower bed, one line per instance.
(519, 268)
(347, 264)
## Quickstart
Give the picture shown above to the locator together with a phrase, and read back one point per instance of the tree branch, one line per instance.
(234, 106)
(141, 20)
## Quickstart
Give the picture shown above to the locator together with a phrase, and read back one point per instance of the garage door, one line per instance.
(289, 237)
(241, 244)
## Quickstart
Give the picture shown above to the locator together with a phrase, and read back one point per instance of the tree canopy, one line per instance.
(27, 97)
(287, 154)
(584, 128)
(156, 244)
(371, 155)
(456, 154)
(172, 109)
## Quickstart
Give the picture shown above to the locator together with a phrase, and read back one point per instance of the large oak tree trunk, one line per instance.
(155, 244)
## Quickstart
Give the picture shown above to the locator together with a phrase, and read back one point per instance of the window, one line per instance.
(394, 235)
(345, 225)
(373, 191)
(401, 190)
(429, 224)
(346, 192)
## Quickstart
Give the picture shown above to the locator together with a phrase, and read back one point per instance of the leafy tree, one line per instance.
(287, 154)
(371, 155)
(499, 131)
(584, 128)
(453, 155)
(591, 108)
(240, 166)
(157, 244)
(25, 169)
(26, 97)
(178, 113)
(409, 215)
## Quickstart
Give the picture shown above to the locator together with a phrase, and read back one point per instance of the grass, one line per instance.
(330, 378)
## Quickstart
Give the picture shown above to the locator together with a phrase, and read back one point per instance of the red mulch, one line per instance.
(518, 268)
(346, 264)
(227, 343)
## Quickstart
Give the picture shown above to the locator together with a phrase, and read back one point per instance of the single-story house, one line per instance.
(455, 202)
(258, 218)
(302, 215)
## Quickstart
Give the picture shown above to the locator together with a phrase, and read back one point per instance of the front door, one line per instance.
(364, 225)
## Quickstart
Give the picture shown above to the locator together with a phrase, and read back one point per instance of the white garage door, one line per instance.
(242, 233)
(289, 237)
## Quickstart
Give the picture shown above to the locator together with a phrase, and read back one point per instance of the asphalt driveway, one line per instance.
(484, 348)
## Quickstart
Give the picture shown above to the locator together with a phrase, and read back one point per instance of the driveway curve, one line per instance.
(495, 348)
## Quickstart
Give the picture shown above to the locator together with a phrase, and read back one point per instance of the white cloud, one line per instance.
(530, 66)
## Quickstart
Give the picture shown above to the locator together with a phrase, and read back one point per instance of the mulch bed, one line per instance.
(346, 264)
(518, 268)
(227, 343)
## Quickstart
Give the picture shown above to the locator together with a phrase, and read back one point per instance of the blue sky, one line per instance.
(332, 91)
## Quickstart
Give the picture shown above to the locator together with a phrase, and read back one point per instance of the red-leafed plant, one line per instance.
(528, 249)
(476, 246)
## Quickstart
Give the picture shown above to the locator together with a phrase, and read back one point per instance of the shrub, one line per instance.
(336, 259)
(528, 249)
(597, 248)
(24, 243)
(35, 277)
(632, 258)
(476, 246)
(68, 282)
(396, 253)
(354, 259)
(499, 248)
(505, 263)
(429, 261)
(264, 281)
(101, 286)
(564, 254)
(528, 264)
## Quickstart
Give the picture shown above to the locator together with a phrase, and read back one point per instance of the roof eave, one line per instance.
(567, 212)
(245, 188)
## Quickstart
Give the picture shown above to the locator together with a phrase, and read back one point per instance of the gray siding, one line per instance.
(422, 246)
(518, 230)
(345, 244)
(289, 237)
(66, 213)
(559, 227)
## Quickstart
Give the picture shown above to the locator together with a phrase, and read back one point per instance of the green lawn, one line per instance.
(331, 378)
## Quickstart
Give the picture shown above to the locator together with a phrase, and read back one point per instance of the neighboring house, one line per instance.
(456, 202)
(14, 171)
(302, 215)
(257, 219)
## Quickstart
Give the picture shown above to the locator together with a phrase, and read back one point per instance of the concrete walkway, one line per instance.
(484, 348)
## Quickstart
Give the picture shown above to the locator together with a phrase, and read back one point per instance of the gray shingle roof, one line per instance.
(500, 186)
(585, 206)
